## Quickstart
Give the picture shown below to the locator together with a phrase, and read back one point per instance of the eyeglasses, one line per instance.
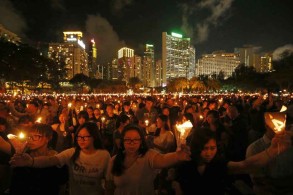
(84, 138)
(34, 137)
(134, 141)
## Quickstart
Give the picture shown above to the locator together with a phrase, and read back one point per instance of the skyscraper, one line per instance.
(72, 53)
(178, 57)
(92, 59)
(126, 67)
(148, 67)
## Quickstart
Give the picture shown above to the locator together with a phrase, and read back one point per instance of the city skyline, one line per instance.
(211, 24)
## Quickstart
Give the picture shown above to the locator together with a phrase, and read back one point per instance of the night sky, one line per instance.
(211, 24)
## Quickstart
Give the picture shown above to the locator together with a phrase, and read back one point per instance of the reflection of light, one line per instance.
(69, 105)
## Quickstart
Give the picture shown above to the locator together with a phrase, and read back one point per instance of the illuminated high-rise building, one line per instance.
(72, 52)
(92, 59)
(178, 57)
(148, 67)
(127, 67)
(266, 63)
(158, 73)
(210, 64)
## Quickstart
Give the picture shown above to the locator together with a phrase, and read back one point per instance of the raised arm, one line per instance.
(280, 143)
(25, 160)
(169, 159)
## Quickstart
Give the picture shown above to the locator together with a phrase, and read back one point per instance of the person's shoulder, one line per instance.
(103, 152)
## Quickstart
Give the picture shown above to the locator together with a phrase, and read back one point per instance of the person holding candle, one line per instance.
(207, 171)
(133, 169)
(148, 112)
(277, 176)
(27, 180)
(87, 161)
(6, 151)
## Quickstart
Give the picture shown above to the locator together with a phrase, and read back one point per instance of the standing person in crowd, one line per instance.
(6, 151)
(207, 171)
(164, 140)
(87, 161)
(32, 110)
(82, 117)
(64, 135)
(147, 115)
(133, 169)
(27, 180)
(127, 110)
(90, 111)
(109, 126)
(122, 121)
(174, 111)
(277, 176)
(214, 123)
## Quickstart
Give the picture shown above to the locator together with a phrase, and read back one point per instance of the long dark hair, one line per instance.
(164, 118)
(199, 138)
(118, 167)
(93, 130)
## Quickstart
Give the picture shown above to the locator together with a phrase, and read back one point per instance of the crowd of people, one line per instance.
(131, 144)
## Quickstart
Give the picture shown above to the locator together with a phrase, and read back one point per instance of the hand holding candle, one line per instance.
(276, 121)
(19, 142)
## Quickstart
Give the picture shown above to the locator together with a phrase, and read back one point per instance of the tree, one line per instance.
(196, 84)
(79, 80)
(282, 74)
(134, 83)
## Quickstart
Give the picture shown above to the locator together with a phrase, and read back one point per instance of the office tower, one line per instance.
(92, 59)
(126, 65)
(72, 53)
(8, 35)
(266, 63)
(248, 56)
(114, 69)
(159, 74)
(148, 69)
(178, 57)
(210, 64)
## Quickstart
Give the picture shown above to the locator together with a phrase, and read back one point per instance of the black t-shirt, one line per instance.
(212, 181)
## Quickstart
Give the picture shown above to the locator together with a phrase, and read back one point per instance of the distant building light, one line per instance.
(81, 44)
(71, 39)
(176, 35)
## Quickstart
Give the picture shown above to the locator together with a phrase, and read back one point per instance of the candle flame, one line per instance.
(39, 120)
(283, 109)
(278, 125)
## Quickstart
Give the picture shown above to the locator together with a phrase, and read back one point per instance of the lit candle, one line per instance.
(19, 142)
(182, 132)
(146, 122)
(39, 120)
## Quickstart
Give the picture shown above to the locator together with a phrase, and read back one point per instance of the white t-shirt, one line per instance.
(165, 140)
(137, 179)
(86, 175)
